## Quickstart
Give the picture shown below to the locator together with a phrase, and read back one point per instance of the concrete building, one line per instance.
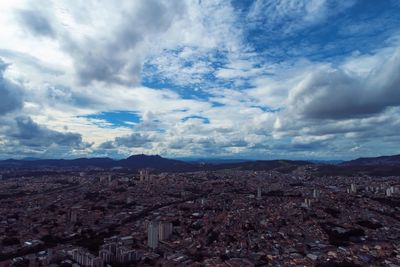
(73, 215)
(144, 175)
(118, 250)
(307, 203)
(259, 193)
(389, 192)
(152, 235)
(125, 255)
(316, 193)
(85, 258)
(164, 231)
(353, 188)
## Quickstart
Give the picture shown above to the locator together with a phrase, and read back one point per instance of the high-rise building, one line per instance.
(152, 235)
(125, 255)
(316, 193)
(144, 175)
(129, 200)
(73, 215)
(110, 180)
(85, 258)
(353, 188)
(388, 192)
(307, 203)
(118, 249)
(258, 192)
(126, 240)
(164, 230)
(106, 255)
(392, 189)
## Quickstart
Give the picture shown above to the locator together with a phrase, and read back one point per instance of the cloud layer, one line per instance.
(255, 79)
(11, 98)
(328, 93)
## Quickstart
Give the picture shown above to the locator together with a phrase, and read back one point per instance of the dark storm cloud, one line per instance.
(36, 22)
(10, 93)
(335, 94)
(28, 133)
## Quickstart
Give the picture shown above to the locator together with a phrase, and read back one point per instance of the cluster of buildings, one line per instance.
(221, 218)
(119, 249)
(158, 231)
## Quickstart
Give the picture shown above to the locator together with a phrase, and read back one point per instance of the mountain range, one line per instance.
(155, 162)
(383, 160)
(159, 163)
(133, 162)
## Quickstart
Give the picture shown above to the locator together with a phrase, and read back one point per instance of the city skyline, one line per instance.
(291, 79)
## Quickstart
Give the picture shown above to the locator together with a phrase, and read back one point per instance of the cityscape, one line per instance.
(283, 214)
(215, 133)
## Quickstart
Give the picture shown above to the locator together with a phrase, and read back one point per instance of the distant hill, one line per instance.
(374, 166)
(133, 162)
(380, 166)
(58, 163)
(265, 165)
(155, 162)
(214, 161)
(384, 160)
(358, 170)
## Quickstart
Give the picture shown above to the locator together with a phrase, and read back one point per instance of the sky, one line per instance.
(262, 79)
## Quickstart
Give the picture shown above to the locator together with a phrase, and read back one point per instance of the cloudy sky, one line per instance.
(300, 79)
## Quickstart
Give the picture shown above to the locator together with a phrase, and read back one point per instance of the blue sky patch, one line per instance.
(205, 120)
(117, 118)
